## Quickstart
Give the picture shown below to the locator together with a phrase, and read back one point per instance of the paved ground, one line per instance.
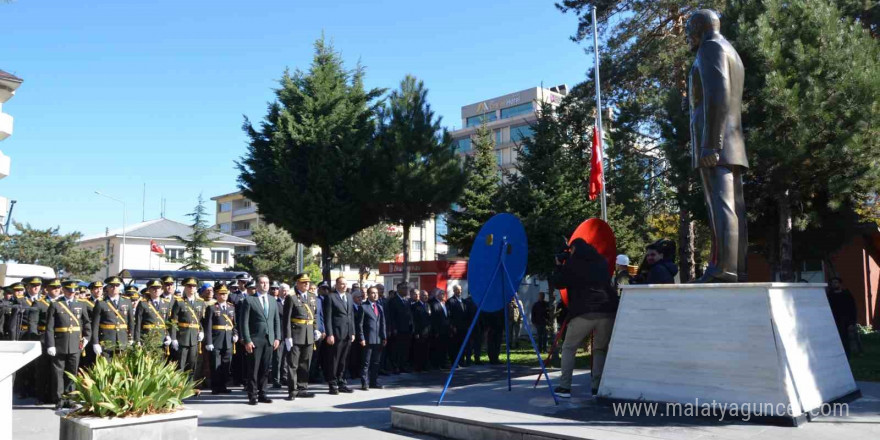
(582, 417)
(363, 415)
(479, 392)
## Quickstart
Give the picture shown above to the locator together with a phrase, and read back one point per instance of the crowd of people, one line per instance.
(257, 333)
(253, 333)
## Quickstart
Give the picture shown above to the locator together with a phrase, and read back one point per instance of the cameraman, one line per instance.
(592, 305)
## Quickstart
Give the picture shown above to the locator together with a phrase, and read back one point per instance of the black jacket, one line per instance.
(421, 317)
(663, 272)
(371, 327)
(339, 316)
(399, 318)
(585, 275)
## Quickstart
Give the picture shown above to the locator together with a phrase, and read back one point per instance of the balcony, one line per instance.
(244, 211)
(243, 233)
(5, 125)
(4, 165)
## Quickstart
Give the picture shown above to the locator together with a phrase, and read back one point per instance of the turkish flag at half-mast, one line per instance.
(156, 248)
(596, 165)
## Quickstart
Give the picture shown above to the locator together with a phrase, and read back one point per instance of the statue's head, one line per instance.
(701, 23)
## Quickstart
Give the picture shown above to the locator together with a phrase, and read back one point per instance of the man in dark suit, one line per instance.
(221, 334)
(339, 324)
(299, 333)
(261, 332)
(356, 352)
(421, 313)
(400, 325)
(440, 330)
(458, 322)
(718, 148)
(371, 336)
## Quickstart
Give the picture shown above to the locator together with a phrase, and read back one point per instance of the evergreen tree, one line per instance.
(199, 239)
(369, 247)
(276, 253)
(48, 247)
(422, 174)
(304, 165)
(479, 198)
(812, 119)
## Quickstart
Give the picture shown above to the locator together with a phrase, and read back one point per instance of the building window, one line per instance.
(474, 121)
(219, 257)
(247, 204)
(418, 245)
(172, 254)
(226, 207)
(225, 228)
(498, 157)
(464, 145)
(497, 136)
(241, 226)
(520, 132)
(517, 110)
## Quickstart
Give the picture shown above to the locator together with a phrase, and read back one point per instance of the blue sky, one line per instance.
(118, 94)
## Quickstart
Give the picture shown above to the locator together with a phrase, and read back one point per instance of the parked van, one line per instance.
(14, 272)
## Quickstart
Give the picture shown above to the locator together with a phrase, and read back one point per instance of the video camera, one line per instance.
(563, 252)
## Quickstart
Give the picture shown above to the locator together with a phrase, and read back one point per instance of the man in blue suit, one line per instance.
(371, 335)
(261, 331)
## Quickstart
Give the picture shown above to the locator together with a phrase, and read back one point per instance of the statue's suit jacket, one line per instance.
(715, 93)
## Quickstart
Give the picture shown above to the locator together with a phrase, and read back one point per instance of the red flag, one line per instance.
(156, 248)
(596, 165)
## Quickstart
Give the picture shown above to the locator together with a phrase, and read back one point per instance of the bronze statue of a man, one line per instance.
(719, 153)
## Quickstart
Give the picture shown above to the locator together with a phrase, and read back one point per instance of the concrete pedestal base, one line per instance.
(767, 349)
(180, 425)
(13, 356)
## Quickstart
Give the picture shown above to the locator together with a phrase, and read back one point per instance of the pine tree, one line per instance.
(811, 122)
(369, 247)
(276, 253)
(304, 166)
(479, 198)
(422, 174)
(199, 239)
(48, 247)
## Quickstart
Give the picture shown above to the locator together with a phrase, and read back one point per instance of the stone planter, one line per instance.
(179, 425)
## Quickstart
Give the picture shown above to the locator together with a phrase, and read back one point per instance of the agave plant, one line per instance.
(138, 381)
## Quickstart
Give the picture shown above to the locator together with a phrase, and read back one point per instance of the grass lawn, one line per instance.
(525, 355)
(866, 365)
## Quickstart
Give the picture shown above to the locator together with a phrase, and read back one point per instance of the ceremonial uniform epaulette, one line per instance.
(210, 302)
(166, 300)
(87, 302)
(43, 300)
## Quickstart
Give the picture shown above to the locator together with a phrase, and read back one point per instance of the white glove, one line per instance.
(288, 343)
(209, 347)
(167, 341)
(234, 339)
(130, 342)
(85, 341)
(51, 351)
(175, 345)
(317, 335)
(97, 349)
(201, 336)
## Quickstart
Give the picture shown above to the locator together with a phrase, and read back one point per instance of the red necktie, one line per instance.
(375, 310)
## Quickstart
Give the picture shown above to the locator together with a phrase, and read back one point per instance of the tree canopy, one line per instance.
(49, 247)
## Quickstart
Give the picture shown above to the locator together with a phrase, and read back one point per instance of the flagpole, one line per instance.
(599, 112)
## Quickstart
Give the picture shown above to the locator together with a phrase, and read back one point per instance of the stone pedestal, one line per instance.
(13, 356)
(771, 349)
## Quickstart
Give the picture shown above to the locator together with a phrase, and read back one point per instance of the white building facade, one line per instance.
(8, 84)
(135, 250)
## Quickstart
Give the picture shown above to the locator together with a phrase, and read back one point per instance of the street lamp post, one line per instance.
(122, 251)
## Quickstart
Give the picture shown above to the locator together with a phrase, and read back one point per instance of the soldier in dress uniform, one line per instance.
(12, 312)
(239, 369)
(96, 289)
(220, 338)
(187, 314)
(67, 331)
(133, 295)
(87, 297)
(168, 289)
(299, 331)
(112, 318)
(32, 327)
(151, 316)
(203, 360)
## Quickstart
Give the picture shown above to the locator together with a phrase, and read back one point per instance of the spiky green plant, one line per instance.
(137, 382)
